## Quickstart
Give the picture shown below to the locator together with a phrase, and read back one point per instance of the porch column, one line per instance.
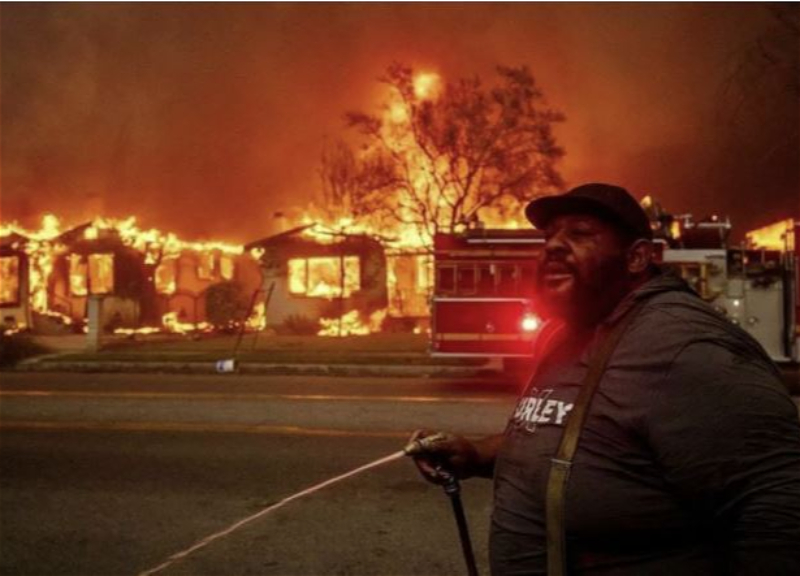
(94, 316)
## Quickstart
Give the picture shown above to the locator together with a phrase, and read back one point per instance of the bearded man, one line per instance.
(687, 450)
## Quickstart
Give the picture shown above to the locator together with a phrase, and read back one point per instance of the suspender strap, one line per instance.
(561, 464)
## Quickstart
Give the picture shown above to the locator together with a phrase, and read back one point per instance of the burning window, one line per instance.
(298, 276)
(324, 277)
(166, 277)
(101, 273)
(94, 274)
(408, 283)
(9, 273)
(77, 276)
(226, 267)
(205, 266)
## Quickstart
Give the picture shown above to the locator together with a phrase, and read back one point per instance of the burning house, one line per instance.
(147, 281)
(339, 280)
(93, 262)
(182, 281)
(14, 289)
(141, 280)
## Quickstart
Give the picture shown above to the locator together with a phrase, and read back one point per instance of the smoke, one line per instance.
(208, 119)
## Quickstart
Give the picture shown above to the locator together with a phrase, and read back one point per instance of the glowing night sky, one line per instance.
(205, 119)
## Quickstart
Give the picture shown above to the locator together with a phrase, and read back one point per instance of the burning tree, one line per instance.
(445, 155)
(351, 186)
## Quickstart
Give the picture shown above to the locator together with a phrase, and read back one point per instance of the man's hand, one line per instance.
(449, 453)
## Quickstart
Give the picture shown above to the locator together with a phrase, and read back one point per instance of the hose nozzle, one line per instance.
(426, 444)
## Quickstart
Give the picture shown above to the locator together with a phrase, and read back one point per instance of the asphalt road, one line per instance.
(112, 474)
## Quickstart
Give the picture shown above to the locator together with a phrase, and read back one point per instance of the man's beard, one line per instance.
(580, 296)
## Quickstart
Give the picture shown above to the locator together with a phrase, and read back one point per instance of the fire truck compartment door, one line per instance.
(480, 327)
(763, 317)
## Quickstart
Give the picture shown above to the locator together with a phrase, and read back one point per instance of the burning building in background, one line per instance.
(26, 265)
(91, 262)
(334, 279)
(368, 256)
(339, 283)
(15, 301)
(346, 276)
(157, 280)
(182, 281)
(315, 279)
(146, 280)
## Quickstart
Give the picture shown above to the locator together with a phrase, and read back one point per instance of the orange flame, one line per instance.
(427, 85)
(430, 179)
(153, 240)
(42, 250)
(352, 324)
(42, 247)
(776, 236)
(258, 319)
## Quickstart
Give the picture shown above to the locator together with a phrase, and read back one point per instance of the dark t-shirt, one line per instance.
(689, 461)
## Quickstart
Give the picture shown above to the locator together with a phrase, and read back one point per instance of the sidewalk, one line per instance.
(64, 364)
(379, 355)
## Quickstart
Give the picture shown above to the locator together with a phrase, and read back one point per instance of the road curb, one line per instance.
(361, 370)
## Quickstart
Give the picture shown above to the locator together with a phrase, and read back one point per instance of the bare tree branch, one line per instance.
(442, 159)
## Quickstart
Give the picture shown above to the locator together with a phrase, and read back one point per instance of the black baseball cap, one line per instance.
(611, 203)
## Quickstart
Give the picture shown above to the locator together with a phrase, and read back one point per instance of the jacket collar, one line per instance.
(663, 282)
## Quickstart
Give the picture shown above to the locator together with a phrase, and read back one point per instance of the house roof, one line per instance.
(292, 243)
(278, 238)
(9, 240)
(74, 234)
(295, 233)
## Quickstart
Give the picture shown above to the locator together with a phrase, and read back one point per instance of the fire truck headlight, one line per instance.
(530, 323)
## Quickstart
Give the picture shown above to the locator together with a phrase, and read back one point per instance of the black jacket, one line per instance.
(689, 462)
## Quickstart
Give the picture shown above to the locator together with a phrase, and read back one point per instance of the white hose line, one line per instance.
(209, 539)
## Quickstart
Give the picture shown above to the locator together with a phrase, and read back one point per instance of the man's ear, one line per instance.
(640, 256)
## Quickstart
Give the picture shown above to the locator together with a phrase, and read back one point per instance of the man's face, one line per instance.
(583, 270)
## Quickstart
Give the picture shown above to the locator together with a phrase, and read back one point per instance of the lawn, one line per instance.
(371, 349)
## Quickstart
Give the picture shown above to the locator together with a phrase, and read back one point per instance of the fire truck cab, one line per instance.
(484, 291)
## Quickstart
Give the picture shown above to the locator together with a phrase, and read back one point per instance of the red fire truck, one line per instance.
(484, 292)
